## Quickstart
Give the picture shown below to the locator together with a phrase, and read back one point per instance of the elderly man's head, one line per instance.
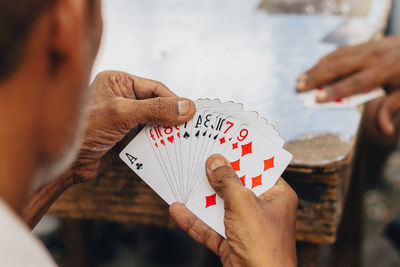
(47, 48)
(19, 19)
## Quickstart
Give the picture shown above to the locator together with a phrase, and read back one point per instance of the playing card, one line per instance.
(257, 161)
(140, 157)
(171, 159)
(309, 99)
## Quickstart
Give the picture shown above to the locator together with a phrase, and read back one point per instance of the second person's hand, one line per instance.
(356, 69)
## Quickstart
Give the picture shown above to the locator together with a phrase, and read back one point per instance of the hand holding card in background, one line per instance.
(351, 70)
(347, 77)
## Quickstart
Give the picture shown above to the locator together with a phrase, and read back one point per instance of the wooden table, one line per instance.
(195, 60)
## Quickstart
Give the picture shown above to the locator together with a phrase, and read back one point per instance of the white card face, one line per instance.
(196, 141)
(309, 99)
(207, 205)
(171, 160)
(257, 162)
(171, 137)
(159, 140)
(139, 157)
(185, 150)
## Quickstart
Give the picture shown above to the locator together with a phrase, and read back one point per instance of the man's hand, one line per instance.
(118, 103)
(352, 70)
(260, 230)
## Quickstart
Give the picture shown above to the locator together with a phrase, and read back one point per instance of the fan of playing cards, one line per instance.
(171, 160)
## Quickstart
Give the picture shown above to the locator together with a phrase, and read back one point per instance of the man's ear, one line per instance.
(66, 49)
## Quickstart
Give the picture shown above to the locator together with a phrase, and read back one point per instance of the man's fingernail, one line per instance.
(322, 95)
(301, 82)
(216, 163)
(183, 107)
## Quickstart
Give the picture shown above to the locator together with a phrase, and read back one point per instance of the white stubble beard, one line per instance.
(49, 171)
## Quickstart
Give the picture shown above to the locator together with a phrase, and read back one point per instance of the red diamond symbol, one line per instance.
(242, 179)
(211, 200)
(269, 163)
(246, 149)
(256, 181)
(234, 146)
(236, 165)
(339, 100)
(222, 140)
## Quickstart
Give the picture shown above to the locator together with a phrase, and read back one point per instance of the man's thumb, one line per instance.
(160, 110)
(223, 178)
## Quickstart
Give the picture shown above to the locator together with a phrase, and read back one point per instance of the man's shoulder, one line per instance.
(18, 246)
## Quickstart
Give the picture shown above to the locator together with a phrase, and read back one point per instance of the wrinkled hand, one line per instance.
(260, 230)
(352, 70)
(118, 103)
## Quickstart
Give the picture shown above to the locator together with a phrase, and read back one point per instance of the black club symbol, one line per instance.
(139, 166)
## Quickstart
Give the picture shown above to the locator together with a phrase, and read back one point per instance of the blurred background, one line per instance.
(95, 243)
